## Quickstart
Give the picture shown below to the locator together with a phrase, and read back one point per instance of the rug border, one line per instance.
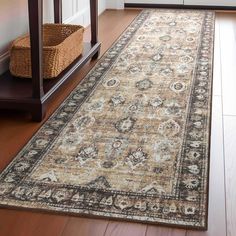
(210, 127)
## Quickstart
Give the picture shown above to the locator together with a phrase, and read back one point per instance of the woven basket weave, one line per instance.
(62, 44)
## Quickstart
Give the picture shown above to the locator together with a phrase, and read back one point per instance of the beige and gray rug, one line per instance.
(132, 140)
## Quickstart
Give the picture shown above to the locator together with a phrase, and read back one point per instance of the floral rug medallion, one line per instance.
(132, 140)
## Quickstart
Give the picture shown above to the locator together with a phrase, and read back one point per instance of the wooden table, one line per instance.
(32, 94)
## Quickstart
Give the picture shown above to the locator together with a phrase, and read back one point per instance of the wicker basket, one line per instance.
(62, 44)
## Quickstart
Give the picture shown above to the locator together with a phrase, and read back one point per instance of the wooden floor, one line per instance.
(16, 129)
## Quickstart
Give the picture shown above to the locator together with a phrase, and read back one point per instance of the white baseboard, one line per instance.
(4, 62)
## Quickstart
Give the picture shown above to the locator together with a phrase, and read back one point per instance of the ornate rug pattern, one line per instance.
(132, 140)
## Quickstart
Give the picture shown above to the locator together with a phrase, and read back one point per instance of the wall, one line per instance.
(14, 20)
(18, 9)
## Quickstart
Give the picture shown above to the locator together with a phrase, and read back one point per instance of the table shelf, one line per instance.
(33, 94)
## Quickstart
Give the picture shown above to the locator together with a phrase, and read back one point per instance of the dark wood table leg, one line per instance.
(58, 11)
(38, 112)
(35, 23)
(94, 25)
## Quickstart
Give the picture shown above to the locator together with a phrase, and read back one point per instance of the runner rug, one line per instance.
(131, 142)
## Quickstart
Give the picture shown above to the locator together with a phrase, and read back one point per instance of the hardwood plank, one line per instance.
(217, 60)
(230, 167)
(85, 227)
(49, 225)
(217, 215)
(17, 223)
(228, 61)
(163, 231)
(116, 228)
(7, 221)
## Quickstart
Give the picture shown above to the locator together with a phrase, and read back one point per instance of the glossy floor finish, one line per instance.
(16, 129)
